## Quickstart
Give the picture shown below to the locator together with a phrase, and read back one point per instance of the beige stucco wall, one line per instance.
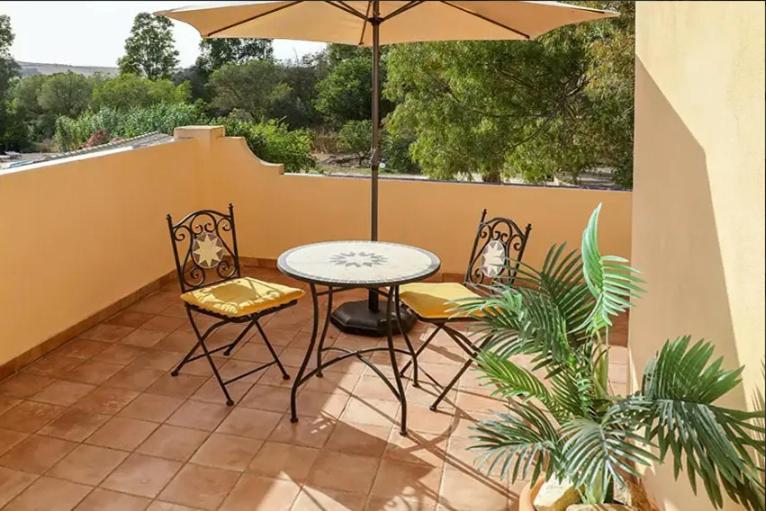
(698, 200)
(80, 235)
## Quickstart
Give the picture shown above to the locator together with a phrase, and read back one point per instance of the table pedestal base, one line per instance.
(356, 318)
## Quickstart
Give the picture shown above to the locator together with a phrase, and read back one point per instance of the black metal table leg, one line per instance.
(324, 332)
(393, 294)
(299, 378)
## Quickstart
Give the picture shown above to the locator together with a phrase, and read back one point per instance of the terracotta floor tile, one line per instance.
(12, 482)
(477, 401)
(130, 319)
(333, 382)
(143, 338)
(203, 487)
(284, 461)
(173, 442)
(159, 505)
(87, 464)
(82, 348)
(362, 439)
(416, 447)
(74, 425)
(410, 480)
(371, 387)
(423, 420)
(273, 376)
(107, 332)
(122, 433)
(6, 403)
(153, 304)
(199, 415)
(421, 502)
(313, 404)
(265, 397)
(151, 407)
(121, 354)
(153, 359)
(62, 392)
(341, 471)
(468, 489)
(163, 324)
(23, 385)
(141, 475)
(253, 351)
(322, 499)
(177, 341)
(36, 454)
(105, 400)
(227, 451)
(211, 391)
(308, 431)
(92, 371)
(53, 365)
(10, 438)
(29, 416)
(133, 378)
(183, 385)
(49, 494)
(231, 368)
(370, 411)
(255, 492)
(103, 500)
(250, 423)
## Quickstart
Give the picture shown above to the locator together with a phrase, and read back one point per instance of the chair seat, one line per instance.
(241, 297)
(435, 300)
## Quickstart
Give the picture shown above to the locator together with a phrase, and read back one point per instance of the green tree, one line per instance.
(536, 109)
(65, 94)
(216, 53)
(356, 137)
(250, 89)
(9, 69)
(150, 48)
(344, 94)
(128, 90)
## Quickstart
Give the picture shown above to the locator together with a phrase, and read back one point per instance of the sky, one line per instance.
(94, 33)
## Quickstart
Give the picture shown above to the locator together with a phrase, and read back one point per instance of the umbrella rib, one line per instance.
(402, 9)
(488, 20)
(252, 18)
(339, 4)
(364, 25)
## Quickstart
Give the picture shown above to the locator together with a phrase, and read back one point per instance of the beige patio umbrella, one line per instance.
(373, 23)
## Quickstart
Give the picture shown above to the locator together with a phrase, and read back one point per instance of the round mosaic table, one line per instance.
(340, 265)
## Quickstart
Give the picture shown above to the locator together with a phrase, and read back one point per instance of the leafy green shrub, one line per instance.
(396, 153)
(273, 141)
(128, 91)
(356, 137)
(74, 133)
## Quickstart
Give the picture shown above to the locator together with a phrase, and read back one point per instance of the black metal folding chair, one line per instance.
(207, 263)
(496, 254)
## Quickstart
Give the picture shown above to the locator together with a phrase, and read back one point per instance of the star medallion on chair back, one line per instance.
(205, 248)
(497, 251)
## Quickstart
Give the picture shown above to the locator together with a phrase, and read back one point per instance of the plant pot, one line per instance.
(528, 494)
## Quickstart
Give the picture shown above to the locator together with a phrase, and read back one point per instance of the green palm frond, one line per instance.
(611, 281)
(522, 442)
(681, 383)
(600, 453)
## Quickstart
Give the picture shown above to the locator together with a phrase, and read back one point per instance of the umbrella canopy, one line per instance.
(348, 22)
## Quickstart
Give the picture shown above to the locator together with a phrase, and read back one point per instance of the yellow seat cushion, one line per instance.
(435, 300)
(241, 297)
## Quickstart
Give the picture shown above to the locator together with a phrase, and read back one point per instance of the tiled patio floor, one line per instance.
(99, 424)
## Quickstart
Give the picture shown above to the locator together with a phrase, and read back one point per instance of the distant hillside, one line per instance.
(36, 68)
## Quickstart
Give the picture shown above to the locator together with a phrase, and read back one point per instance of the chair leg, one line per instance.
(271, 350)
(413, 355)
(239, 338)
(421, 348)
(201, 343)
(466, 365)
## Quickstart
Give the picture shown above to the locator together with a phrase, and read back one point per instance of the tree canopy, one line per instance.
(216, 53)
(150, 48)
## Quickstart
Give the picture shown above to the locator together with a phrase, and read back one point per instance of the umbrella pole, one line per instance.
(373, 299)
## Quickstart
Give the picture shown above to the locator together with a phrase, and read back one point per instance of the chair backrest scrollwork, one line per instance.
(205, 248)
(497, 251)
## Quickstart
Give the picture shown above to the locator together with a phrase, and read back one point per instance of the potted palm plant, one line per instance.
(562, 421)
